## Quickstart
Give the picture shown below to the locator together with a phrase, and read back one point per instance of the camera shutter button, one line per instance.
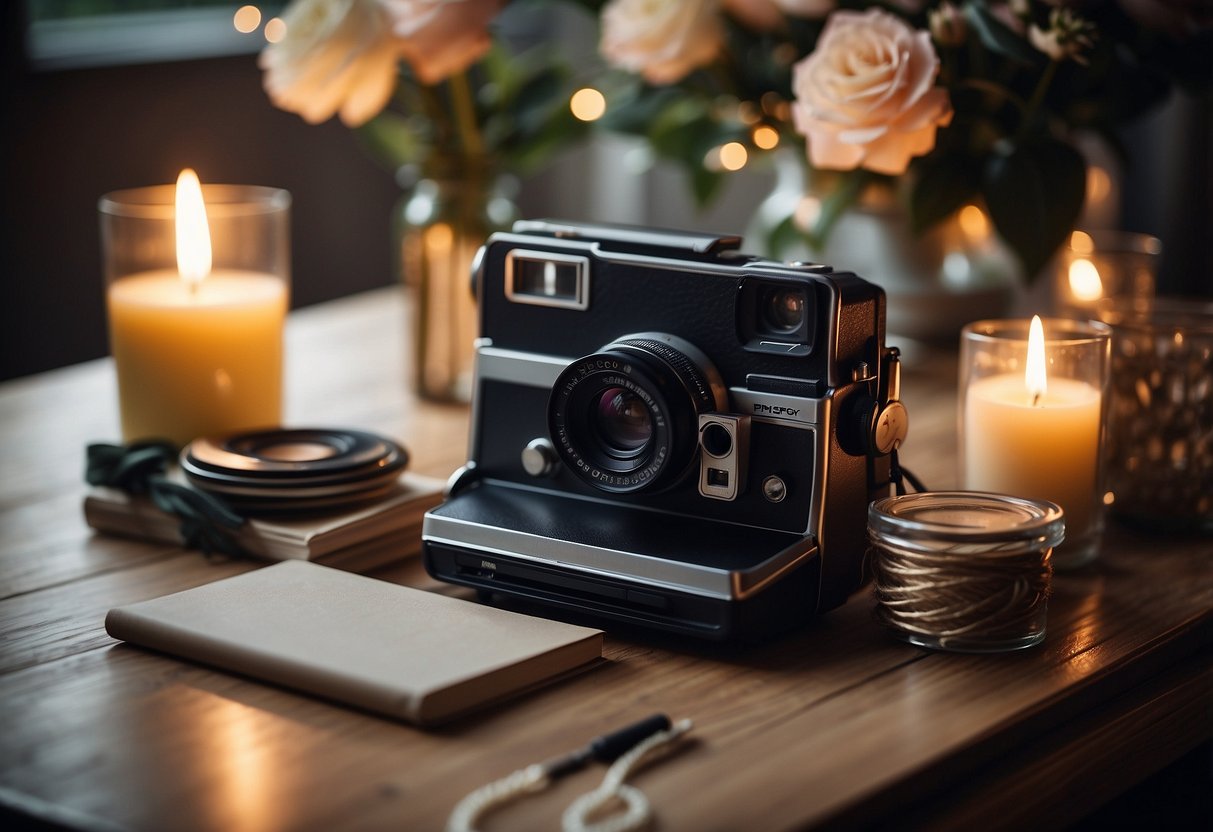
(539, 458)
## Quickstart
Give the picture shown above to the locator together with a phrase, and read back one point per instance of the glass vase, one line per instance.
(440, 224)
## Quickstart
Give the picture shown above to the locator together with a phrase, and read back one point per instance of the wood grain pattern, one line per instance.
(836, 725)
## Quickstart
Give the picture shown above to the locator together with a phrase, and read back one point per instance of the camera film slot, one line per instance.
(545, 278)
(724, 440)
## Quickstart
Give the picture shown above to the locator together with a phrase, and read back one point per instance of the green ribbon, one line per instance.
(141, 468)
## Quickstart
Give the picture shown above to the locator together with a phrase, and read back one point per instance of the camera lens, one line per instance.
(622, 422)
(783, 309)
(626, 418)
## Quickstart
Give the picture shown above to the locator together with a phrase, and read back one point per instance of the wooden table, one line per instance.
(838, 723)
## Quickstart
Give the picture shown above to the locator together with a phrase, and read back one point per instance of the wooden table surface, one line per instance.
(835, 724)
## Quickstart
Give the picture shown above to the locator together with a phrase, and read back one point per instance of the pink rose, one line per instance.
(663, 40)
(338, 56)
(866, 95)
(440, 38)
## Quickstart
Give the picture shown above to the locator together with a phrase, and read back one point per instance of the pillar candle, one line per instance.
(200, 360)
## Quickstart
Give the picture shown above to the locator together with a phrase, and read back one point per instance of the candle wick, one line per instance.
(1035, 399)
(194, 288)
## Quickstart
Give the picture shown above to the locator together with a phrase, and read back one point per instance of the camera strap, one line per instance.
(899, 476)
(626, 750)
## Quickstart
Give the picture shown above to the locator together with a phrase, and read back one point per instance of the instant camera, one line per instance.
(667, 432)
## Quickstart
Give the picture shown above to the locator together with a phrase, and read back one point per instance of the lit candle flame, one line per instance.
(193, 231)
(1034, 374)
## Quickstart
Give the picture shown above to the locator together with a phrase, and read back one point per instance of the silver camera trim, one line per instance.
(680, 576)
(733, 464)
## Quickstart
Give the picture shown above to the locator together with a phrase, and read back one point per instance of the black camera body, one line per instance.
(667, 432)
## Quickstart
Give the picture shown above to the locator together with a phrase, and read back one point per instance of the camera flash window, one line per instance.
(717, 440)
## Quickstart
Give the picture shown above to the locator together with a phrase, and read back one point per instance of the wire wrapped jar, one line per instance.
(964, 571)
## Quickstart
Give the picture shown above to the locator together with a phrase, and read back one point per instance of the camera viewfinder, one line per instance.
(546, 278)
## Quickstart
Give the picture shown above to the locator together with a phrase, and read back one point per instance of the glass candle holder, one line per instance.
(1160, 418)
(964, 571)
(1096, 265)
(196, 305)
(1033, 426)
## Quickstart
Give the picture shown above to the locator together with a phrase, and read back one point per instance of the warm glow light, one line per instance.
(588, 104)
(1034, 374)
(247, 19)
(193, 231)
(765, 137)
(1099, 185)
(973, 222)
(275, 29)
(733, 156)
(1084, 280)
(1081, 243)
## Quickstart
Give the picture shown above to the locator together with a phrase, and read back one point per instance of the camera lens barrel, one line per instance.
(626, 418)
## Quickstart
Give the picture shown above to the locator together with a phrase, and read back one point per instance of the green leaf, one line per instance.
(705, 184)
(783, 237)
(999, 38)
(395, 139)
(634, 110)
(1035, 192)
(941, 187)
(850, 185)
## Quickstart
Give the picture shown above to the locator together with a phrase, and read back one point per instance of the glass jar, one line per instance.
(1160, 418)
(197, 334)
(964, 571)
(1038, 435)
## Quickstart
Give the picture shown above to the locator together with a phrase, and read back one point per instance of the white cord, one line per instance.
(637, 812)
(534, 778)
(499, 792)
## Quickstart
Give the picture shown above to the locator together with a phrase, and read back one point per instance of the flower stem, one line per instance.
(465, 115)
(1038, 97)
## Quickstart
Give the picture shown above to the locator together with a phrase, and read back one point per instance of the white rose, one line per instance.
(440, 38)
(338, 56)
(663, 40)
(866, 95)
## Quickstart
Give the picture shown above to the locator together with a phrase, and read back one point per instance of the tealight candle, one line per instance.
(197, 296)
(1032, 416)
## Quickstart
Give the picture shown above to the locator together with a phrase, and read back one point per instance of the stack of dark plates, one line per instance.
(302, 469)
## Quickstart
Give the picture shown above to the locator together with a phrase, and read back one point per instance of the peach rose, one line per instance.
(338, 56)
(663, 40)
(440, 38)
(866, 95)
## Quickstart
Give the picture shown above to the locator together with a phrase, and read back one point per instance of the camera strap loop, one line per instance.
(626, 749)
(899, 476)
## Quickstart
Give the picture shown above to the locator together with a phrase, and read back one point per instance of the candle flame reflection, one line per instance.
(1034, 373)
(1085, 283)
(193, 231)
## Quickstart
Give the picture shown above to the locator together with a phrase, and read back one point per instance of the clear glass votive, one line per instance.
(197, 338)
(964, 571)
(1038, 435)
(1099, 264)
(1160, 417)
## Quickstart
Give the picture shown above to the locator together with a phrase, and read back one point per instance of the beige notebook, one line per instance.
(395, 650)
